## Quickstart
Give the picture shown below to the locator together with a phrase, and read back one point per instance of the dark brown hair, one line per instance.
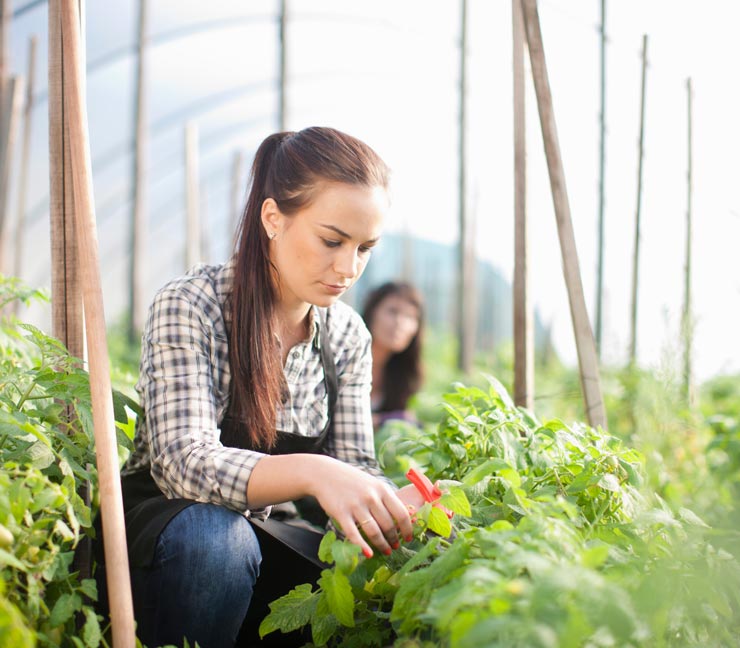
(404, 372)
(287, 168)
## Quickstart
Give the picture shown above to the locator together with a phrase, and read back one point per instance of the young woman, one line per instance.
(394, 314)
(255, 383)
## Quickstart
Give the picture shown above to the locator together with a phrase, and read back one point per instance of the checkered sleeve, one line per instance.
(177, 387)
(352, 437)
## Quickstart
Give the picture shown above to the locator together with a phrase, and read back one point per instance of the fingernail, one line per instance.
(368, 553)
(387, 552)
(413, 520)
(396, 544)
(409, 538)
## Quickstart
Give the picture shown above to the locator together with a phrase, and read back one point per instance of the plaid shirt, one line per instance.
(184, 389)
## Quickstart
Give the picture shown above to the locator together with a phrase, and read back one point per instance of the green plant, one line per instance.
(46, 457)
(563, 545)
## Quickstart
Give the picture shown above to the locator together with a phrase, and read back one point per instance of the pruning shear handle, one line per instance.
(430, 492)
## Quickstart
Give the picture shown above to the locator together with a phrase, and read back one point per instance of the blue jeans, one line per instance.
(200, 583)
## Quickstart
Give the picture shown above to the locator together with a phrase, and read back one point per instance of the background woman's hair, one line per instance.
(403, 373)
(288, 167)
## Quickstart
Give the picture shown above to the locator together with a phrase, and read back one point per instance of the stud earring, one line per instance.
(272, 235)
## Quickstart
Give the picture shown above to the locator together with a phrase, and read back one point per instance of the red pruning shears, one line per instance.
(430, 492)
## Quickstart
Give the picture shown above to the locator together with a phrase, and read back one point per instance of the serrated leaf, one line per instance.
(439, 522)
(485, 469)
(323, 623)
(65, 606)
(339, 596)
(345, 556)
(456, 501)
(7, 558)
(594, 557)
(609, 482)
(325, 552)
(290, 612)
(91, 630)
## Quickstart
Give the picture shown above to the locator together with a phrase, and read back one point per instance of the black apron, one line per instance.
(288, 548)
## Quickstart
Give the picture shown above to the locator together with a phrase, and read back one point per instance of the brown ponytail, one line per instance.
(286, 168)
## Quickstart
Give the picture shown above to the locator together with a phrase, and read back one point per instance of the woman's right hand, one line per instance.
(365, 507)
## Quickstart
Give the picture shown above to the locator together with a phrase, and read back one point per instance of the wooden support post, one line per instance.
(602, 166)
(106, 448)
(138, 259)
(587, 358)
(464, 292)
(636, 251)
(5, 19)
(523, 317)
(687, 319)
(11, 112)
(25, 160)
(238, 191)
(282, 64)
(193, 247)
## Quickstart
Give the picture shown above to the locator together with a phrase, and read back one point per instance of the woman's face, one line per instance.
(322, 249)
(394, 323)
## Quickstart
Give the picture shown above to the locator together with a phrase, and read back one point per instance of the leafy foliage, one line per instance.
(558, 541)
(46, 457)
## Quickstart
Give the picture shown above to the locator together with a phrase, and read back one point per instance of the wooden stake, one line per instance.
(636, 253)
(602, 165)
(282, 64)
(238, 191)
(193, 246)
(523, 318)
(111, 503)
(464, 291)
(587, 358)
(66, 294)
(25, 159)
(5, 19)
(11, 115)
(138, 260)
(687, 320)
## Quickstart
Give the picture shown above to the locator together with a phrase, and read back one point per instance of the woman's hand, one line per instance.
(366, 508)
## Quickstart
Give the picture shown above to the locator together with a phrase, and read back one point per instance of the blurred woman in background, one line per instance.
(394, 314)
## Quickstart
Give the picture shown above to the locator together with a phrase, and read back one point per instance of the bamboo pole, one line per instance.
(282, 63)
(11, 115)
(636, 252)
(602, 167)
(523, 319)
(687, 320)
(138, 259)
(5, 20)
(25, 160)
(587, 358)
(106, 449)
(465, 341)
(66, 295)
(237, 194)
(193, 246)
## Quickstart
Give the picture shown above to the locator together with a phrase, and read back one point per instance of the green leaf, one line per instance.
(89, 588)
(7, 558)
(339, 596)
(594, 557)
(290, 612)
(64, 608)
(345, 556)
(609, 482)
(439, 522)
(323, 623)
(325, 552)
(91, 630)
(484, 470)
(456, 501)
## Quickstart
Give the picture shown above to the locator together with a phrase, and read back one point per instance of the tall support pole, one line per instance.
(602, 167)
(237, 194)
(11, 112)
(523, 319)
(636, 254)
(66, 294)
(25, 160)
(5, 18)
(106, 448)
(138, 258)
(687, 323)
(193, 245)
(585, 346)
(282, 61)
(464, 292)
